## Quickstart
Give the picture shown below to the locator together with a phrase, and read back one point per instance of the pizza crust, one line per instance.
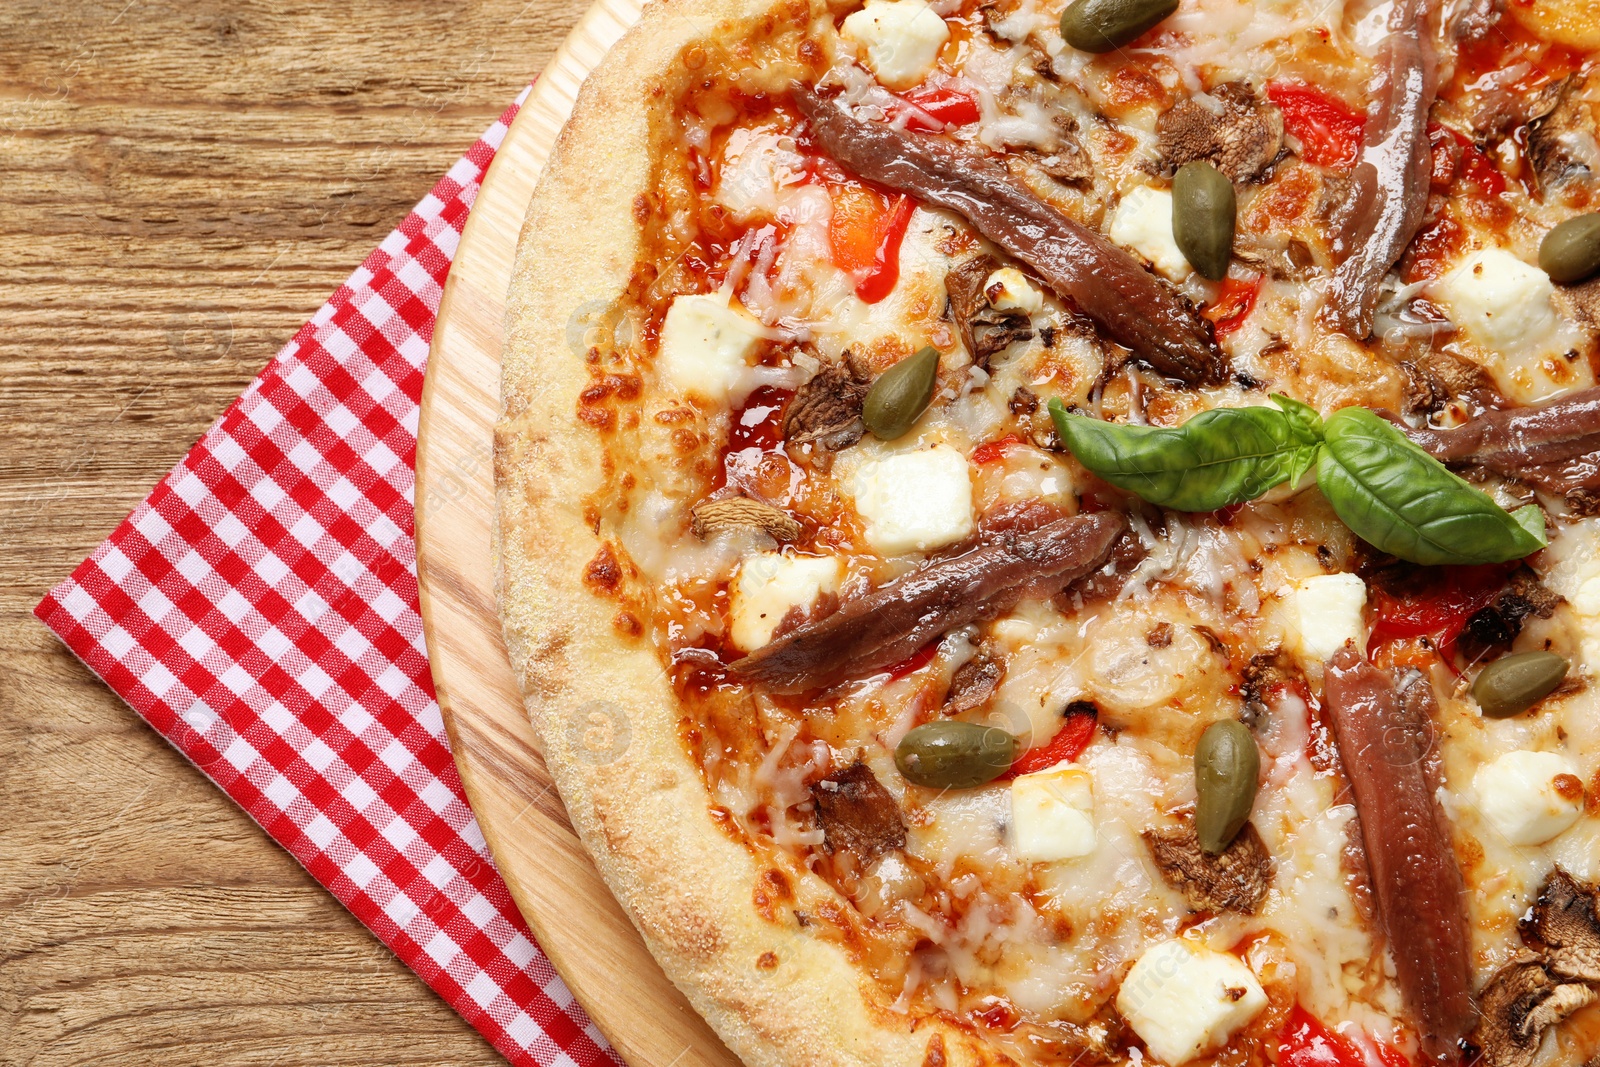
(776, 994)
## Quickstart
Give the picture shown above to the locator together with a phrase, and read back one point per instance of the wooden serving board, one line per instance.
(578, 924)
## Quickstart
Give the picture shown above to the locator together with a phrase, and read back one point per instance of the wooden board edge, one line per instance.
(447, 599)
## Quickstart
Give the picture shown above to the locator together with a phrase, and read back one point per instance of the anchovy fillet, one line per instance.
(1134, 307)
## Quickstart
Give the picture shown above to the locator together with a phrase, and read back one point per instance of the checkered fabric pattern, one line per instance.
(259, 609)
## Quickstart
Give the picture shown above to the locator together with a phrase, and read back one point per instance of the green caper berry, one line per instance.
(1226, 764)
(1571, 252)
(1106, 25)
(1513, 684)
(1204, 213)
(901, 394)
(951, 754)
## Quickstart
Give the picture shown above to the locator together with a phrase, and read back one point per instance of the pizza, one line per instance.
(1053, 533)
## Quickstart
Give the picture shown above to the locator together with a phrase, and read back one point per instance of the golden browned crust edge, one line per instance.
(644, 815)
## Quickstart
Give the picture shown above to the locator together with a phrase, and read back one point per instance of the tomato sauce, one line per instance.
(991, 451)
(1508, 46)
(914, 662)
(755, 442)
(1432, 249)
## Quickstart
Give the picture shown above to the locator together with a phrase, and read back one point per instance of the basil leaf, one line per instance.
(1531, 518)
(1218, 458)
(1310, 423)
(1404, 502)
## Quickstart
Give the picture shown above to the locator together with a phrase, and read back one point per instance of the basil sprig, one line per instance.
(1385, 488)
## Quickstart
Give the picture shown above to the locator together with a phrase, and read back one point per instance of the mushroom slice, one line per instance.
(1581, 303)
(1566, 922)
(1520, 1002)
(1236, 132)
(1499, 621)
(1564, 144)
(826, 410)
(984, 330)
(713, 515)
(1236, 879)
(1438, 378)
(975, 681)
(858, 814)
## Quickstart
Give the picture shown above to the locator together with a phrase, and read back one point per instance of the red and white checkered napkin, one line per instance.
(259, 609)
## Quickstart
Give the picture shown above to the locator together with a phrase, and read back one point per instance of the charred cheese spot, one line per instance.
(772, 894)
(604, 573)
(600, 418)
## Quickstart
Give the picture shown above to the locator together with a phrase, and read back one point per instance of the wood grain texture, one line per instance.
(181, 185)
(584, 931)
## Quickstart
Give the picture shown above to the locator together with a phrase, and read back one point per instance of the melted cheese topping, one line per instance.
(1041, 896)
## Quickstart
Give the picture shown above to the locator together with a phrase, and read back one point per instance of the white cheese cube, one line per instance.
(1586, 602)
(1183, 999)
(706, 343)
(1529, 797)
(771, 584)
(901, 38)
(1007, 289)
(1052, 814)
(1501, 301)
(1143, 222)
(1327, 612)
(915, 501)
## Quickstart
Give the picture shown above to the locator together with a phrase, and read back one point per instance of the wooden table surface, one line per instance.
(182, 183)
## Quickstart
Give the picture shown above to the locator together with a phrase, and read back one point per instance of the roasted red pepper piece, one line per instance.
(990, 451)
(1307, 1043)
(1440, 610)
(864, 233)
(950, 106)
(1234, 302)
(1076, 731)
(1330, 131)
